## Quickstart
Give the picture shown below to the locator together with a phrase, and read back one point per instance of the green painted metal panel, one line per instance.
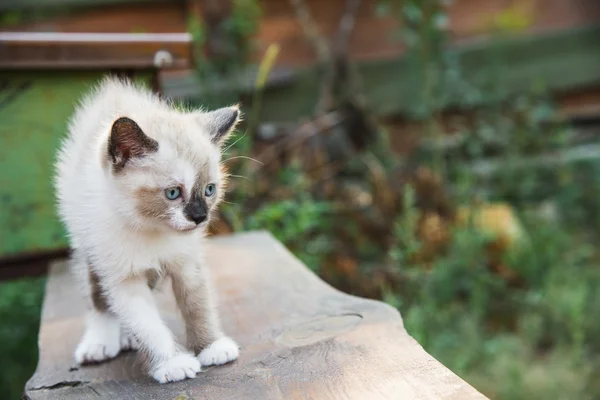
(34, 111)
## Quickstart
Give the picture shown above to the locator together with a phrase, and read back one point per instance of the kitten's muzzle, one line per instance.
(196, 211)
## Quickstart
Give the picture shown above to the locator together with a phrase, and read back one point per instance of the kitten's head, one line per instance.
(166, 167)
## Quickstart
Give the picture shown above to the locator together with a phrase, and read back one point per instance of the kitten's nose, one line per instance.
(197, 217)
(196, 212)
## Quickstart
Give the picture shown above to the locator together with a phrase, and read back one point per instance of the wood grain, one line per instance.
(300, 339)
(46, 50)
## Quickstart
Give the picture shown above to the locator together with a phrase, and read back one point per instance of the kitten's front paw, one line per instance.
(219, 352)
(101, 339)
(177, 368)
(97, 346)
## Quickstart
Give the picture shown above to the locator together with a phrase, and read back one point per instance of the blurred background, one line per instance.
(440, 155)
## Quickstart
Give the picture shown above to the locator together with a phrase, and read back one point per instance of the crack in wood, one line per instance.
(61, 384)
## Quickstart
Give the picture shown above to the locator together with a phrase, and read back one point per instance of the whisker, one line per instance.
(233, 144)
(240, 176)
(245, 158)
(214, 227)
(229, 202)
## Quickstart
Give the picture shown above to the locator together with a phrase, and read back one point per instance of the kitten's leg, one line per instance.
(102, 337)
(192, 288)
(133, 303)
(101, 340)
(128, 341)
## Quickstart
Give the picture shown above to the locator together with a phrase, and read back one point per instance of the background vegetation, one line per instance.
(491, 255)
(485, 246)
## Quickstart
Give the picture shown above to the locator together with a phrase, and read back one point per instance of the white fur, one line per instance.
(128, 341)
(177, 368)
(135, 306)
(106, 229)
(221, 351)
(99, 210)
(101, 340)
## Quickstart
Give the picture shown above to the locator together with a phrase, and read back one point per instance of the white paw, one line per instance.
(128, 341)
(176, 368)
(219, 352)
(101, 340)
(91, 351)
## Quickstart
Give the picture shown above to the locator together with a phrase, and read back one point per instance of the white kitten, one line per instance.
(137, 182)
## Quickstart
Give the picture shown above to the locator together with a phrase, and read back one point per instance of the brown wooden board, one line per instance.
(300, 339)
(376, 36)
(23, 50)
(53, 4)
(162, 17)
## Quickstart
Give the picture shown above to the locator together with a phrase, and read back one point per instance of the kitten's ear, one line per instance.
(221, 123)
(127, 141)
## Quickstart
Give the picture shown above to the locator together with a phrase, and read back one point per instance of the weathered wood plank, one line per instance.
(300, 339)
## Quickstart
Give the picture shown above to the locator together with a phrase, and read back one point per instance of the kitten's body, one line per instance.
(125, 149)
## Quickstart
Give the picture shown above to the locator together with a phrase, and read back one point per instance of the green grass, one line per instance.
(20, 310)
(536, 339)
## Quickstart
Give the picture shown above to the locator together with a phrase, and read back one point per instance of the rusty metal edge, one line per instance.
(29, 264)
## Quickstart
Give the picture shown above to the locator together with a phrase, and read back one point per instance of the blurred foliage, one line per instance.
(509, 314)
(232, 44)
(237, 29)
(20, 310)
(302, 222)
(515, 18)
(512, 340)
(514, 317)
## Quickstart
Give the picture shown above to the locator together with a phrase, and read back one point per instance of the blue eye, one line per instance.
(173, 193)
(210, 189)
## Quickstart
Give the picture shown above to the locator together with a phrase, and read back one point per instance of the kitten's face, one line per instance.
(169, 176)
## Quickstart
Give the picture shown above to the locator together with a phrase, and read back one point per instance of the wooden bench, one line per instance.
(300, 339)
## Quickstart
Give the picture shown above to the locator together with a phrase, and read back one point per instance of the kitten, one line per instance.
(137, 182)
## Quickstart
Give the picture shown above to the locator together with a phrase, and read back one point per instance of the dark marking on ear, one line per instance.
(227, 122)
(127, 141)
(222, 123)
